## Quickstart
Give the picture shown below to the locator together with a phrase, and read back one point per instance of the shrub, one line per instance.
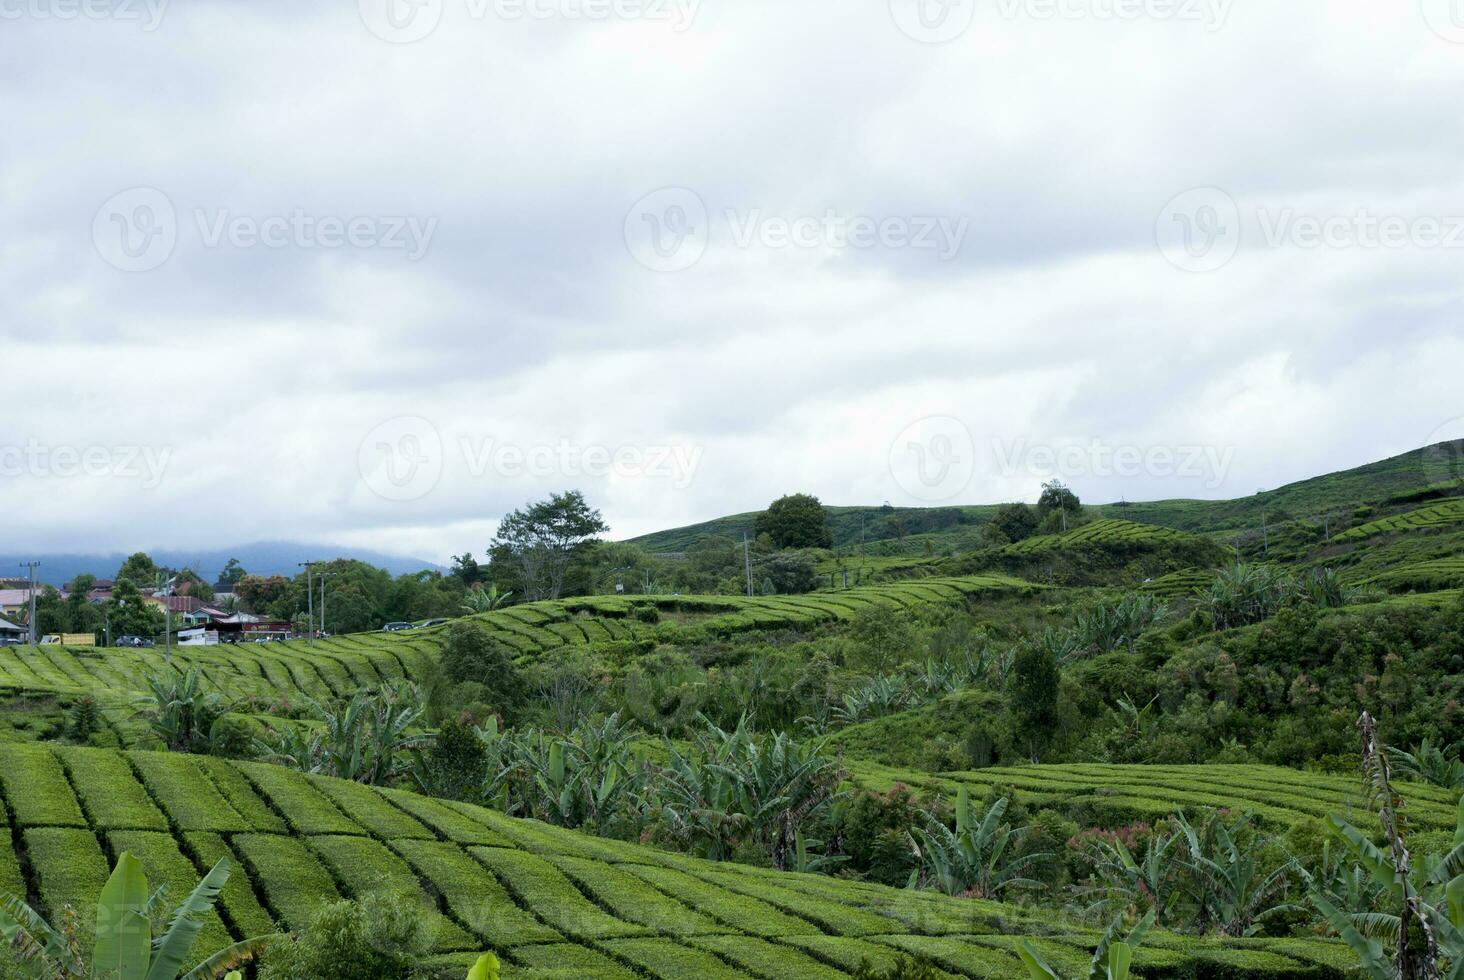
(471, 654)
(384, 936)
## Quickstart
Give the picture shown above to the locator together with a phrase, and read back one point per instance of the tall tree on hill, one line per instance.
(1034, 694)
(796, 521)
(233, 572)
(1057, 496)
(542, 539)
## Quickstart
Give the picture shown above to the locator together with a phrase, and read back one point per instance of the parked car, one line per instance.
(432, 622)
(398, 627)
(134, 641)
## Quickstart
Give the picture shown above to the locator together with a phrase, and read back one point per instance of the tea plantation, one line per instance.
(552, 903)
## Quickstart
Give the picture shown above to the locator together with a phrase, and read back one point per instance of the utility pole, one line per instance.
(167, 631)
(747, 562)
(309, 600)
(323, 576)
(648, 581)
(32, 565)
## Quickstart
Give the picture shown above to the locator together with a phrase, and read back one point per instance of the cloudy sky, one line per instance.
(373, 274)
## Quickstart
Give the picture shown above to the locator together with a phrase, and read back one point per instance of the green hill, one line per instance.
(552, 903)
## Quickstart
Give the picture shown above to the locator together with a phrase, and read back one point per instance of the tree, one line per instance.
(790, 574)
(129, 614)
(384, 935)
(1056, 496)
(139, 569)
(796, 521)
(258, 594)
(1034, 696)
(1016, 521)
(233, 572)
(472, 656)
(465, 569)
(545, 537)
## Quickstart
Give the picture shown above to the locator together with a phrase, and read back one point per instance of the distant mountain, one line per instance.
(260, 558)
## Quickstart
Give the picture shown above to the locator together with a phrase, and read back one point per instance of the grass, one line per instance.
(544, 899)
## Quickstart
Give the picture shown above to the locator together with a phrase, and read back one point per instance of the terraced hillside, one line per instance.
(550, 902)
(39, 682)
(1113, 795)
(1106, 533)
(1443, 514)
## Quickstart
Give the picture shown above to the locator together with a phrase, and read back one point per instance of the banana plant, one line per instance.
(1436, 902)
(485, 969)
(1112, 960)
(976, 858)
(125, 948)
(1227, 879)
(1124, 881)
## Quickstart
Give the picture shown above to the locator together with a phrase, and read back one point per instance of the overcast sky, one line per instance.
(374, 275)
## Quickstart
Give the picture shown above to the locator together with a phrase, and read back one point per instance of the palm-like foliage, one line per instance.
(482, 600)
(1244, 594)
(1112, 959)
(1227, 878)
(1147, 882)
(978, 857)
(734, 787)
(364, 739)
(182, 711)
(1427, 763)
(1431, 904)
(125, 948)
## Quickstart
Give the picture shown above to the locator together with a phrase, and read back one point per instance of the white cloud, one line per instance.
(528, 323)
